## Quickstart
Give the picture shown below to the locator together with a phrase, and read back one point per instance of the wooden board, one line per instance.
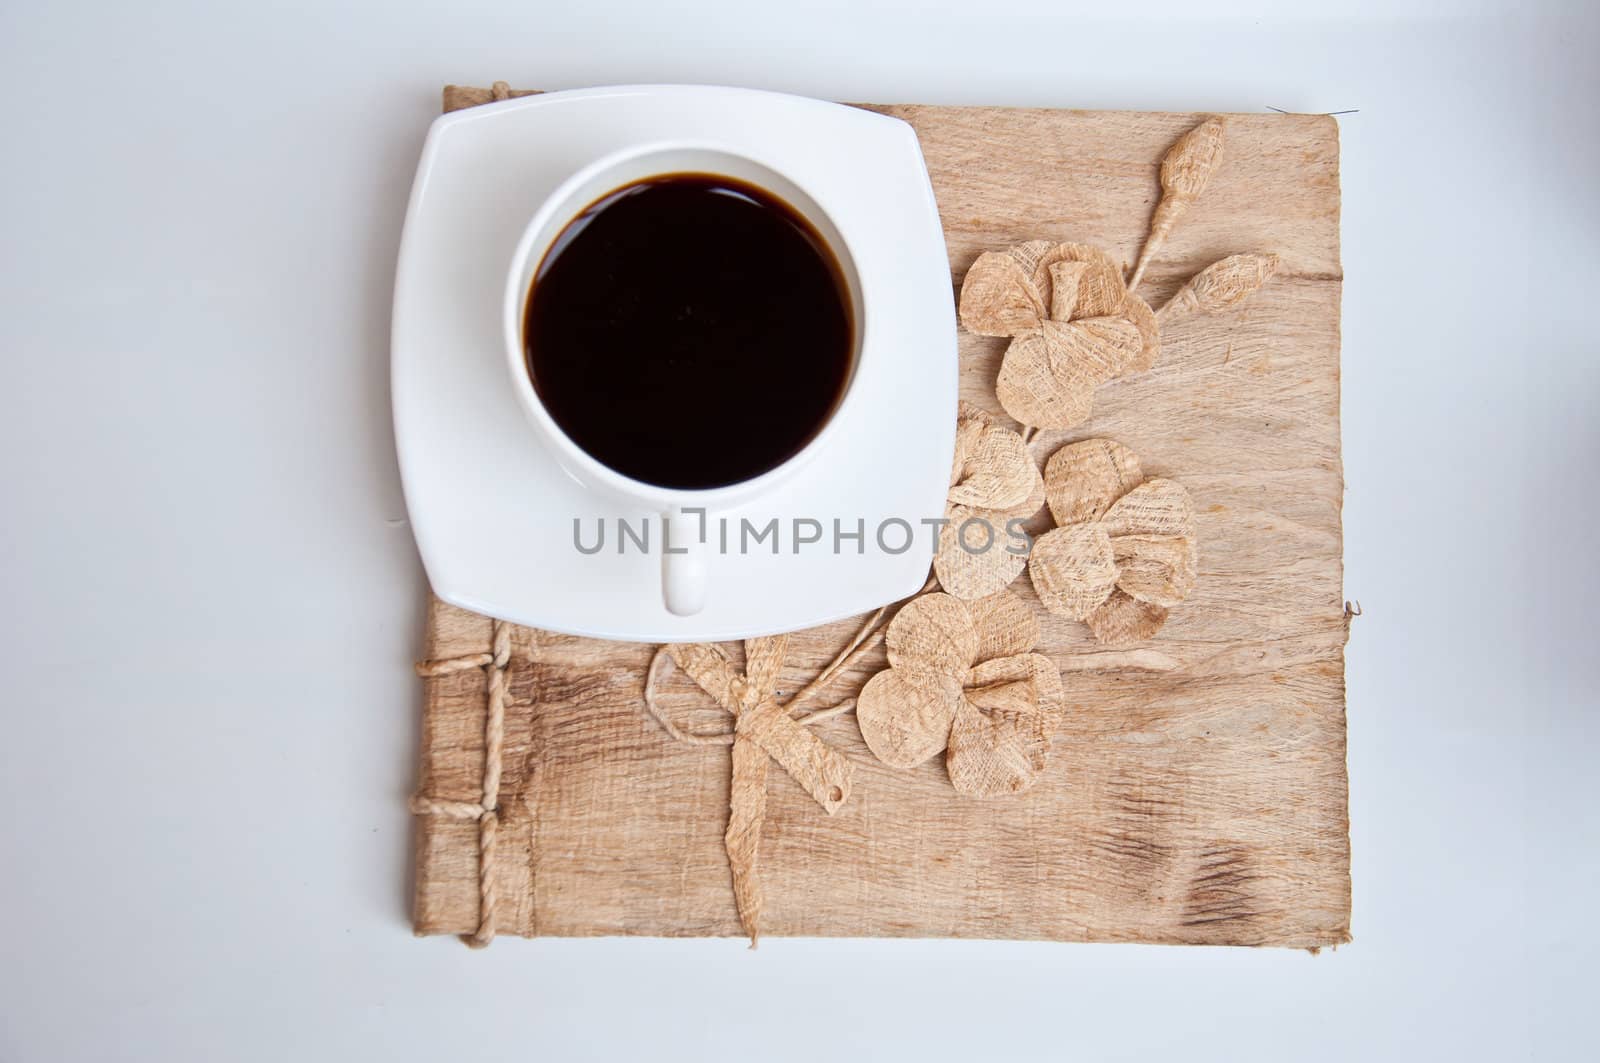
(1205, 804)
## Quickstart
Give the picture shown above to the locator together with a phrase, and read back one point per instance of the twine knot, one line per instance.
(762, 730)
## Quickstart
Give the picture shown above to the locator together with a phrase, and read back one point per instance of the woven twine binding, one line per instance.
(486, 811)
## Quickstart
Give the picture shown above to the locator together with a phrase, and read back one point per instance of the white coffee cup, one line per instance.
(685, 513)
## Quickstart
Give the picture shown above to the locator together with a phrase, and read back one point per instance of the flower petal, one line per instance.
(1034, 503)
(1158, 569)
(1034, 668)
(1065, 277)
(932, 633)
(978, 563)
(905, 718)
(998, 471)
(1101, 291)
(967, 434)
(1029, 391)
(1073, 569)
(1088, 352)
(998, 298)
(1081, 481)
(1124, 620)
(1138, 311)
(999, 741)
(1155, 507)
(1047, 686)
(971, 411)
(1029, 256)
(1005, 624)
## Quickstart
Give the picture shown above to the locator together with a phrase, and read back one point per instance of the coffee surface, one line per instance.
(689, 331)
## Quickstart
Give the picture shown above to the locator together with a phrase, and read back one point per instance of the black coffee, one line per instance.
(689, 331)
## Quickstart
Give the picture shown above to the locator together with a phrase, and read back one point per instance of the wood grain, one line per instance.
(1203, 805)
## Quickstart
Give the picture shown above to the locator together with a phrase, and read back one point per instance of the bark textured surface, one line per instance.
(1201, 801)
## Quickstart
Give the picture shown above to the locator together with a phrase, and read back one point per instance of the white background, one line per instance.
(211, 601)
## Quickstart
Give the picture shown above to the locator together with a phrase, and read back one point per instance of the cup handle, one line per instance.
(683, 562)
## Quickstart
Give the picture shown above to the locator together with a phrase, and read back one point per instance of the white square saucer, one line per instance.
(494, 513)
